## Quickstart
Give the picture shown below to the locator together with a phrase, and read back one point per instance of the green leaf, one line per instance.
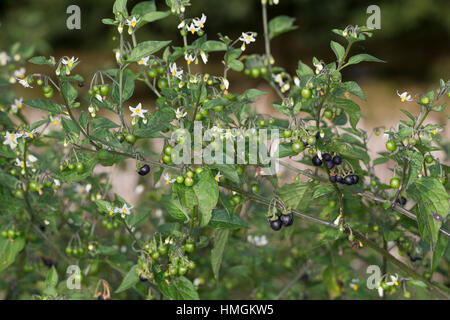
(159, 120)
(439, 251)
(432, 206)
(207, 191)
(213, 45)
(236, 65)
(280, 25)
(52, 278)
(179, 289)
(41, 61)
(69, 126)
(296, 195)
(304, 70)
(9, 250)
(362, 57)
(146, 48)
(338, 50)
(439, 108)
(285, 150)
(254, 94)
(417, 283)
(228, 170)
(120, 6)
(47, 105)
(154, 16)
(129, 281)
(330, 281)
(7, 152)
(69, 91)
(351, 108)
(103, 123)
(8, 180)
(175, 208)
(221, 219)
(128, 78)
(143, 8)
(354, 89)
(220, 241)
(381, 160)
(322, 190)
(68, 175)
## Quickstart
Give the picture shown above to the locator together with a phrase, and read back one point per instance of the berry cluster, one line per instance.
(11, 233)
(331, 162)
(281, 220)
(154, 261)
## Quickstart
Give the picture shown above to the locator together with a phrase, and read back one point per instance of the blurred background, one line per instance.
(414, 40)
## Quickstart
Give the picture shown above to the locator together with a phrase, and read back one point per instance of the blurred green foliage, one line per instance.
(413, 37)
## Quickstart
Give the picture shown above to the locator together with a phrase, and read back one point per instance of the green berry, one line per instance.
(306, 93)
(394, 183)
(391, 146)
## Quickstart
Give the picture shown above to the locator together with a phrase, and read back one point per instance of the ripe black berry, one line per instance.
(142, 278)
(145, 169)
(402, 201)
(337, 160)
(355, 178)
(316, 161)
(348, 180)
(333, 179)
(276, 225)
(317, 135)
(327, 157)
(330, 164)
(287, 219)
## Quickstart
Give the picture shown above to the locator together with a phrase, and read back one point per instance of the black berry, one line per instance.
(276, 224)
(330, 164)
(327, 157)
(287, 219)
(145, 169)
(337, 160)
(348, 180)
(142, 278)
(317, 135)
(333, 179)
(355, 178)
(316, 161)
(340, 179)
(402, 201)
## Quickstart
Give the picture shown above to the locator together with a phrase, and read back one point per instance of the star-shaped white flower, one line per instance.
(69, 61)
(20, 163)
(226, 83)
(167, 179)
(32, 158)
(55, 120)
(18, 104)
(30, 134)
(4, 58)
(319, 67)
(11, 139)
(228, 135)
(204, 57)
(405, 96)
(20, 73)
(132, 22)
(189, 58)
(215, 130)
(175, 71)
(144, 61)
(394, 280)
(218, 176)
(179, 113)
(125, 210)
(247, 37)
(193, 28)
(24, 83)
(278, 79)
(138, 111)
(181, 25)
(200, 23)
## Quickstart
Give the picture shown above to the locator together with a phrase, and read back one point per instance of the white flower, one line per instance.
(32, 158)
(228, 134)
(297, 81)
(69, 62)
(218, 176)
(261, 241)
(179, 113)
(144, 61)
(98, 97)
(380, 291)
(20, 73)
(354, 286)
(319, 154)
(29, 134)
(200, 23)
(138, 111)
(204, 57)
(20, 163)
(55, 120)
(18, 104)
(226, 83)
(4, 58)
(57, 182)
(394, 281)
(278, 79)
(167, 179)
(174, 71)
(247, 37)
(133, 22)
(125, 210)
(181, 25)
(189, 58)
(139, 189)
(11, 139)
(215, 130)
(338, 219)
(319, 67)
(88, 187)
(193, 28)
(404, 96)
(24, 83)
